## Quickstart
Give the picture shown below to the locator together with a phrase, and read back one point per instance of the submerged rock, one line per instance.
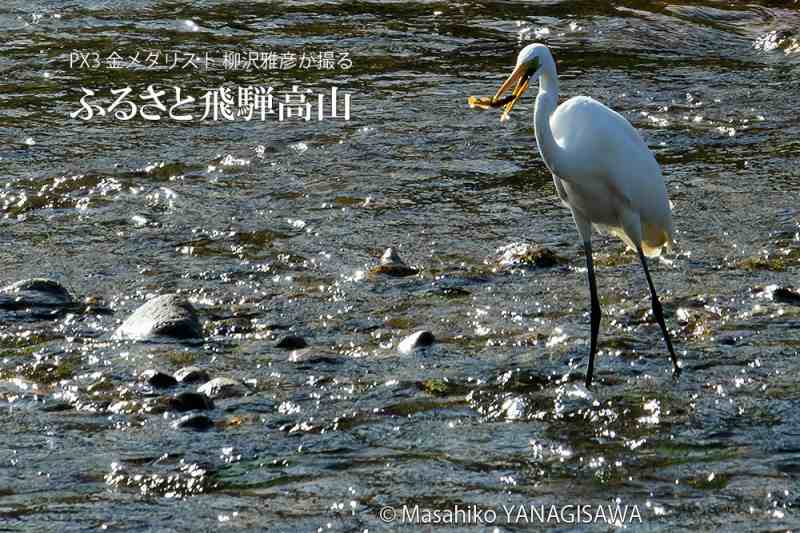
(42, 298)
(441, 387)
(196, 422)
(189, 401)
(168, 315)
(522, 254)
(35, 292)
(223, 388)
(191, 375)
(313, 356)
(734, 338)
(125, 407)
(416, 341)
(762, 262)
(158, 379)
(292, 342)
(392, 265)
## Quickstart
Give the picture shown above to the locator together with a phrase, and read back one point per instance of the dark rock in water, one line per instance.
(43, 297)
(168, 315)
(520, 254)
(733, 338)
(416, 341)
(38, 291)
(223, 388)
(292, 342)
(392, 265)
(158, 379)
(196, 422)
(57, 406)
(787, 295)
(189, 401)
(192, 374)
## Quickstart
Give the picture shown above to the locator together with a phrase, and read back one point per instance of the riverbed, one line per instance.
(272, 227)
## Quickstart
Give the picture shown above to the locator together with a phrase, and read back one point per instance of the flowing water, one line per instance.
(271, 227)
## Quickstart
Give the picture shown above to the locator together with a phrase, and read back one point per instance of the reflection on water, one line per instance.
(272, 228)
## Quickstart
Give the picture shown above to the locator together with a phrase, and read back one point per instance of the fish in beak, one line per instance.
(521, 77)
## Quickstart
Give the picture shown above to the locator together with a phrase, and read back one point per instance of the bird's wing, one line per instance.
(606, 152)
(600, 140)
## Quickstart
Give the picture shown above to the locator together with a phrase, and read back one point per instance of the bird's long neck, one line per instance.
(546, 102)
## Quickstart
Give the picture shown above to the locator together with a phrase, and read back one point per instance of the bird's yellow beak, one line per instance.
(518, 76)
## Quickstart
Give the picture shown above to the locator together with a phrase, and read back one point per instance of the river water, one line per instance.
(271, 227)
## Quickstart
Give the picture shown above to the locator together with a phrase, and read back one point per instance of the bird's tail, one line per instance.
(655, 239)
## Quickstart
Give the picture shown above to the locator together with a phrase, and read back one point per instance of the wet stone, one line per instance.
(158, 379)
(416, 341)
(392, 264)
(35, 292)
(168, 315)
(292, 342)
(314, 356)
(223, 388)
(231, 326)
(530, 255)
(195, 422)
(787, 295)
(192, 375)
(189, 401)
(125, 407)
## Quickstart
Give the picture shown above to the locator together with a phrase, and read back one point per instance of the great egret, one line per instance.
(602, 170)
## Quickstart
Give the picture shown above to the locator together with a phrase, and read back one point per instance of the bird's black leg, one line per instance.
(659, 314)
(595, 311)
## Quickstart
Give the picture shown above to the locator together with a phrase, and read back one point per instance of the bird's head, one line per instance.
(529, 61)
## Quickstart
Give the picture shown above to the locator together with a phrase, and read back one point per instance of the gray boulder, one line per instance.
(191, 374)
(416, 341)
(223, 387)
(168, 315)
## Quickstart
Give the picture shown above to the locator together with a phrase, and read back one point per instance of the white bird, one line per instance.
(602, 170)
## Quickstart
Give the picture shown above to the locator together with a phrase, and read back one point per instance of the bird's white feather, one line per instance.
(612, 178)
